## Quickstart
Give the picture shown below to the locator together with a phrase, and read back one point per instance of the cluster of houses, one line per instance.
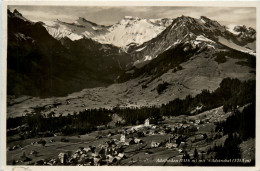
(111, 152)
(106, 154)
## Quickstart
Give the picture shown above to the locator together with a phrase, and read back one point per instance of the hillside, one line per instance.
(40, 65)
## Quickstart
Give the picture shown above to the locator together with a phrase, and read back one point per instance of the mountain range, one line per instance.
(127, 31)
(189, 54)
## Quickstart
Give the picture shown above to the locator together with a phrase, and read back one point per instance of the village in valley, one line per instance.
(176, 90)
(181, 140)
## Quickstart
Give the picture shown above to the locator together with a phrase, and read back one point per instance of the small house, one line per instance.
(171, 145)
(138, 141)
(197, 121)
(63, 158)
(155, 144)
(122, 155)
(122, 138)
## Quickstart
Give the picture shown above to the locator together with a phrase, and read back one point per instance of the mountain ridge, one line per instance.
(37, 60)
(113, 34)
(90, 63)
(184, 27)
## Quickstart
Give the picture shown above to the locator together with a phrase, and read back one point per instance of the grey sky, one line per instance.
(109, 15)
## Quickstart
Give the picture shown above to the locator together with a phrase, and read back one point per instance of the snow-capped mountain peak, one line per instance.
(128, 30)
(202, 32)
(131, 33)
(242, 30)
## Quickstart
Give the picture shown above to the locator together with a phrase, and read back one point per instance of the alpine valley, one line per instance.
(187, 68)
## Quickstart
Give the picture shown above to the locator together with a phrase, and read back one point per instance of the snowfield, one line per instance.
(126, 31)
(232, 45)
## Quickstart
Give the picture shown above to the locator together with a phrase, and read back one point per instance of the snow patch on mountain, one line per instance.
(138, 50)
(147, 58)
(203, 21)
(74, 31)
(203, 38)
(232, 45)
(132, 30)
(231, 29)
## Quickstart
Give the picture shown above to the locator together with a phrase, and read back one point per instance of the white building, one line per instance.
(62, 157)
(155, 144)
(122, 138)
(147, 122)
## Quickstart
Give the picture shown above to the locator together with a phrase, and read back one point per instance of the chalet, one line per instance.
(151, 132)
(52, 162)
(197, 121)
(138, 141)
(136, 128)
(83, 157)
(171, 145)
(75, 156)
(173, 129)
(154, 127)
(79, 151)
(155, 144)
(97, 161)
(63, 158)
(162, 132)
(122, 138)
(52, 140)
(111, 159)
(86, 149)
(57, 134)
(165, 117)
(122, 155)
(126, 144)
(95, 154)
(117, 158)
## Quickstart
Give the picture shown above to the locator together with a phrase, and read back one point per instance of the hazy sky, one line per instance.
(107, 15)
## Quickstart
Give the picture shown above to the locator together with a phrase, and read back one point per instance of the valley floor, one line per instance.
(200, 72)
